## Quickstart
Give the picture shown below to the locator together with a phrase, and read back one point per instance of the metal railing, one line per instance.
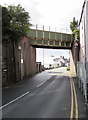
(51, 28)
(82, 78)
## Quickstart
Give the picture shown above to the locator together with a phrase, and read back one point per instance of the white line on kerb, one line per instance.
(14, 100)
(41, 84)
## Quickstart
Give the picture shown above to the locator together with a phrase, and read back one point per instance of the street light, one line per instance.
(43, 56)
(52, 59)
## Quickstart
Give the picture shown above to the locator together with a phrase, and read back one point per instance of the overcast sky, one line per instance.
(54, 13)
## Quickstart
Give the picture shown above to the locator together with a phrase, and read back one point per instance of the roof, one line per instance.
(56, 59)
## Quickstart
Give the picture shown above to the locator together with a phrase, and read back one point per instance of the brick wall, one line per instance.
(19, 60)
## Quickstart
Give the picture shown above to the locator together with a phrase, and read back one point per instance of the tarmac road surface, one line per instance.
(50, 94)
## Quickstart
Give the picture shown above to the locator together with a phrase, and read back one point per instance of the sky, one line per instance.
(46, 56)
(54, 13)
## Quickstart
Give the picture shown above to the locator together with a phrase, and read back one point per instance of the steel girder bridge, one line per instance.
(50, 39)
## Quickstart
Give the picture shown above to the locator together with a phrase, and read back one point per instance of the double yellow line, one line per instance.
(74, 103)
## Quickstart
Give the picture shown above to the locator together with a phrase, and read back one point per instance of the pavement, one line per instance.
(50, 94)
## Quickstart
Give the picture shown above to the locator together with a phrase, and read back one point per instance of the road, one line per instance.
(50, 94)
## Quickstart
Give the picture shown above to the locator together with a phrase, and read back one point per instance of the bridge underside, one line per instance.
(51, 47)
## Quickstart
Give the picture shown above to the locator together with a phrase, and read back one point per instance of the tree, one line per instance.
(77, 34)
(74, 24)
(15, 22)
(19, 22)
(5, 24)
(15, 25)
(75, 29)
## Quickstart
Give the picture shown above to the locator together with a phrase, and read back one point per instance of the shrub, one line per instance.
(68, 68)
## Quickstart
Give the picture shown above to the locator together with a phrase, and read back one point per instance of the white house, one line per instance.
(60, 61)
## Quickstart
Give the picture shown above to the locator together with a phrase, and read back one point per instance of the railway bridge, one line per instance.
(19, 60)
(50, 39)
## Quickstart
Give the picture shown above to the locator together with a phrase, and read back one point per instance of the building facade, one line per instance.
(82, 66)
(84, 33)
(60, 62)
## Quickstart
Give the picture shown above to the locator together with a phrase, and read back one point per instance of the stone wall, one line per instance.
(8, 68)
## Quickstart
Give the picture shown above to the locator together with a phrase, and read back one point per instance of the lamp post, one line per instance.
(43, 57)
(52, 59)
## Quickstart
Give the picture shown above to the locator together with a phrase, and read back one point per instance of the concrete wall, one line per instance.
(32, 60)
(84, 36)
(87, 40)
(86, 31)
(28, 58)
(74, 58)
(72, 64)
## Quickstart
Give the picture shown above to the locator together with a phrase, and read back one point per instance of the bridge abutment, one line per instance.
(19, 61)
(27, 58)
(72, 64)
(74, 58)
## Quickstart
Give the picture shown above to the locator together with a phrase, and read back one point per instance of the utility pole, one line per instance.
(52, 59)
(43, 56)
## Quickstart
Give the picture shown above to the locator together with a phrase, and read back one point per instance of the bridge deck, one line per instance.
(40, 38)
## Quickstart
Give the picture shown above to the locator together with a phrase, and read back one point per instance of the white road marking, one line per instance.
(41, 84)
(20, 97)
(14, 100)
